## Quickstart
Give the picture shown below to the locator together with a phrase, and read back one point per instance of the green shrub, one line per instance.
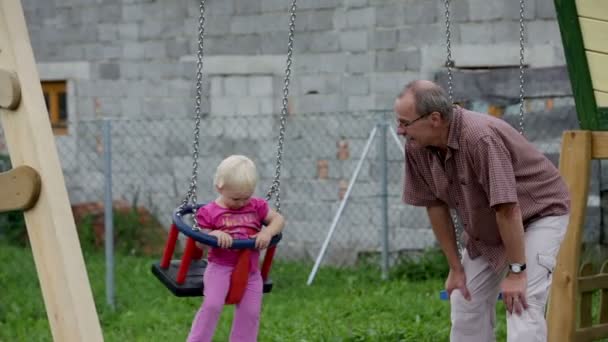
(431, 264)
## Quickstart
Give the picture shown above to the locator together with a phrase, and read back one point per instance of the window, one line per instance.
(55, 97)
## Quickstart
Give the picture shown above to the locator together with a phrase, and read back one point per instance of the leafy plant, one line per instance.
(431, 264)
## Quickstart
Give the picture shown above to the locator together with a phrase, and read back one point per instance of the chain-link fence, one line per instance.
(152, 164)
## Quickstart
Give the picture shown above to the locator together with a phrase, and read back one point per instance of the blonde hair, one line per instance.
(236, 172)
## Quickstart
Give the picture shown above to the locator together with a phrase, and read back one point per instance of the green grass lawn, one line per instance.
(342, 305)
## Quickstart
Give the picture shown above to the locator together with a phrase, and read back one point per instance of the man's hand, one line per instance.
(513, 289)
(223, 239)
(262, 239)
(457, 280)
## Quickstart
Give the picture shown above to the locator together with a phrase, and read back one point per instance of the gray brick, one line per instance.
(132, 13)
(236, 86)
(360, 103)
(398, 60)
(326, 62)
(420, 12)
(505, 32)
(545, 9)
(276, 43)
(327, 83)
(390, 16)
(177, 48)
(150, 29)
(318, 42)
(364, 17)
(421, 35)
(231, 45)
(355, 3)
(356, 85)
(339, 19)
(260, 85)
(154, 49)
(354, 40)
(128, 32)
(486, 10)
(274, 5)
(217, 25)
(112, 51)
(319, 103)
(543, 31)
(247, 6)
(111, 13)
(391, 82)
(73, 52)
(109, 71)
(384, 39)
(320, 20)
(133, 50)
(175, 10)
(360, 63)
(318, 4)
(476, 33)
(217, 86)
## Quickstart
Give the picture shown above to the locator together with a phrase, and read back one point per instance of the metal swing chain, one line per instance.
(276, 183)
(191, 194)
(449, 63)
(521, 66)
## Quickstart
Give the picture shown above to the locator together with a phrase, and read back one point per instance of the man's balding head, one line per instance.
(428, 97)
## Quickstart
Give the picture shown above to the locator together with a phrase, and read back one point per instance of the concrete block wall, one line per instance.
(136, 61)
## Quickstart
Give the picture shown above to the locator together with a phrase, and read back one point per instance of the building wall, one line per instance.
(135, 61)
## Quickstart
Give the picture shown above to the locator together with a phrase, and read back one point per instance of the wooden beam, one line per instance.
(50, 224)
(592, 333)
(604, 297)
(10, 92)
(591, 282)
(586, 317)
(575, 167)
(599, 148)
(20, 189)
(576, 61)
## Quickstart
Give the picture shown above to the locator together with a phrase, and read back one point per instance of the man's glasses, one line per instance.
(407, 124)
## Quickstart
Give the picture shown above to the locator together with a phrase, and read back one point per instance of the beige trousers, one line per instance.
(474, 321)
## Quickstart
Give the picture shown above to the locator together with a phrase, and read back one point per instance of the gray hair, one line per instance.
(429, 97)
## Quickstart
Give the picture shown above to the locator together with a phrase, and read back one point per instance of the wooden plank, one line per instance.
(604, 297)
(576, 61)
(597, 9)
(10, 92)
(575, 166)
(20, 189)
(598, 69)
(586, 315)
(592, 282)
(594, 34)
(601, 98)
(599, 145)
(593, 333)
(50, 224)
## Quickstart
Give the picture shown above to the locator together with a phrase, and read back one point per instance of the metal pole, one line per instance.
(397, 140)
(383, 159)
(338, 215)
(108, 215)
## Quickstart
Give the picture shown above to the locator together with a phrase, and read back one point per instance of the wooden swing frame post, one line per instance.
(50, 224)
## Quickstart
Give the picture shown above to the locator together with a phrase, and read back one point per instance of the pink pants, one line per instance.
(246, 315)
(474, 321)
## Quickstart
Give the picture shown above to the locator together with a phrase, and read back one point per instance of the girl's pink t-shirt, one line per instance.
(239, 223)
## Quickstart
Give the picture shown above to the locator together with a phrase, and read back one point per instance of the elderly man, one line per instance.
(512, 203)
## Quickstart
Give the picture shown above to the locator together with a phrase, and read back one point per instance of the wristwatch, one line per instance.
(516, 268)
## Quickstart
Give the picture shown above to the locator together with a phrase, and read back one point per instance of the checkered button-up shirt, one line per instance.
(487, 163)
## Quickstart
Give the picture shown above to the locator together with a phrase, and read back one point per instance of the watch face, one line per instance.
(515, 268)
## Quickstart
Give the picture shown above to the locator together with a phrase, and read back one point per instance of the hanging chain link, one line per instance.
(275, 187)
(191, 195)
(449, 63)
(521, 66)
